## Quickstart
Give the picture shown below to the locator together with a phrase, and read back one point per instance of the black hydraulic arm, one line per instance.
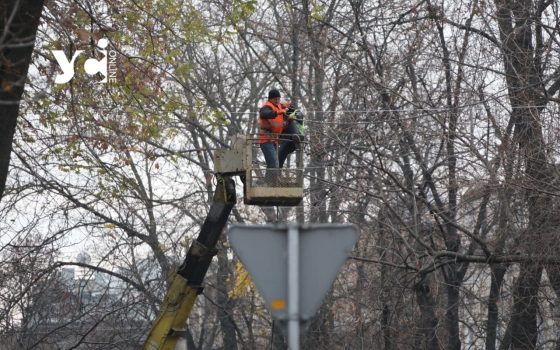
(187, 284)
(202, 250)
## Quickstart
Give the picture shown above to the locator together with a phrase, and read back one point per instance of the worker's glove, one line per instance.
(292, 115)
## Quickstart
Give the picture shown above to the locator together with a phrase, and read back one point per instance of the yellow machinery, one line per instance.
(283, 187)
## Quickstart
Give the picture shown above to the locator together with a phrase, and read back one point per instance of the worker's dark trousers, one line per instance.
(287, 146)
(269, 151)
(271, 158)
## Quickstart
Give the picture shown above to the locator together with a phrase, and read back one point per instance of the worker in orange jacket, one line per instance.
(273, 120)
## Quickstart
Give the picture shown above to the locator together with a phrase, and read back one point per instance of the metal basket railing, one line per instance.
(290, 175)
(264, 185)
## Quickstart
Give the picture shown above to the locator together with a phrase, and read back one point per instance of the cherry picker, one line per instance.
(241, 160)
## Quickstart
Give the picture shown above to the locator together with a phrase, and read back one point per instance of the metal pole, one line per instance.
(293, 287)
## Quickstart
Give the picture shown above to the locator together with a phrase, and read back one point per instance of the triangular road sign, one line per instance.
(323, 248)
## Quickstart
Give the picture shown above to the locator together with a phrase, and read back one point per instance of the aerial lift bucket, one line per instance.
(262, 186)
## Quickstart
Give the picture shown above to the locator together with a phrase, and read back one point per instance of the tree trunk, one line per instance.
(426, 338)
(452, 312)
(278, 339)
(225, 304)
(21, 19)
(525, 88)
(524, 317)
(318, 208)
(498, 273)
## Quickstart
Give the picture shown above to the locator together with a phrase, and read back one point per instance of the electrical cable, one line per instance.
(416, 110)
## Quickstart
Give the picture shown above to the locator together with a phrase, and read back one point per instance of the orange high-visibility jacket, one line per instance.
(271, 122)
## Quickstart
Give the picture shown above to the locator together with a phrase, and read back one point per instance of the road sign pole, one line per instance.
(293, 287)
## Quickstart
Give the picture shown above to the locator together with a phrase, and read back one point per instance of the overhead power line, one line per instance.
(417, 110)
